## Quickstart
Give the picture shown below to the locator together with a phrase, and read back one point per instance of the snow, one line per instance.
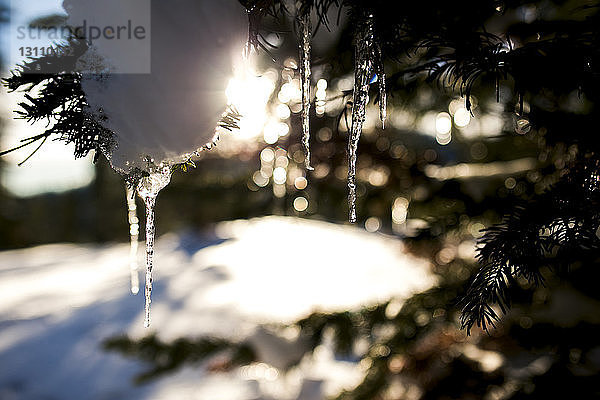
(178, 77)
(59, 302)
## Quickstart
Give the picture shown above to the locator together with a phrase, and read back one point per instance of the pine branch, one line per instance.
(555, 230)
(230, 119)
(60, 101)
(169, 357)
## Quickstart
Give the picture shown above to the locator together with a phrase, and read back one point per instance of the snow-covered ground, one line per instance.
(59, 302)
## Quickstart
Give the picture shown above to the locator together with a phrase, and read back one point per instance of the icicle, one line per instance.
(148, 189)
(363, 69)
(253, 21)
(134, 231)
(381, 82)
(305, 71)
(382, 101)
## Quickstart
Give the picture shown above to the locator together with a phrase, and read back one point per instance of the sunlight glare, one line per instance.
(249, 94)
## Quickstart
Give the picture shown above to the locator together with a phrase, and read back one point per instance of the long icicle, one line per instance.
(150, 202)
(363, 69)
(134, 233)
(148, 189)
(305, 72)
(381, 81)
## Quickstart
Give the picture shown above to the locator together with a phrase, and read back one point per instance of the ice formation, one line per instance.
(368, 61)
(148, 189)
(363, 69)
(305, 71)
(172, 108)
(134, 232)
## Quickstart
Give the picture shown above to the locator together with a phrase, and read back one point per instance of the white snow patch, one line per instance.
(59, 302)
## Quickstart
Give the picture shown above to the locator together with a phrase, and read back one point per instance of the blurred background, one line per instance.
(263, 290)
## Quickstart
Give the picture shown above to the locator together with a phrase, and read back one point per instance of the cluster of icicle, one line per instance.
(368, 68)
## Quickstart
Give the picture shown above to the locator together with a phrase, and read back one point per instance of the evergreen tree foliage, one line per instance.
(60, 98)
(464, 48)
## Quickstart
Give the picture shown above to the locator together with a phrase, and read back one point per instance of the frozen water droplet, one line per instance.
(158, 179)
(522, 125)
(363, 70)
(134, 231)
(148, 189)
(305, 71)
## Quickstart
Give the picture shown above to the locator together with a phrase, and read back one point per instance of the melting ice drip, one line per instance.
(367, 57)
(148, 189)
(305, 72)
(134, 232)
